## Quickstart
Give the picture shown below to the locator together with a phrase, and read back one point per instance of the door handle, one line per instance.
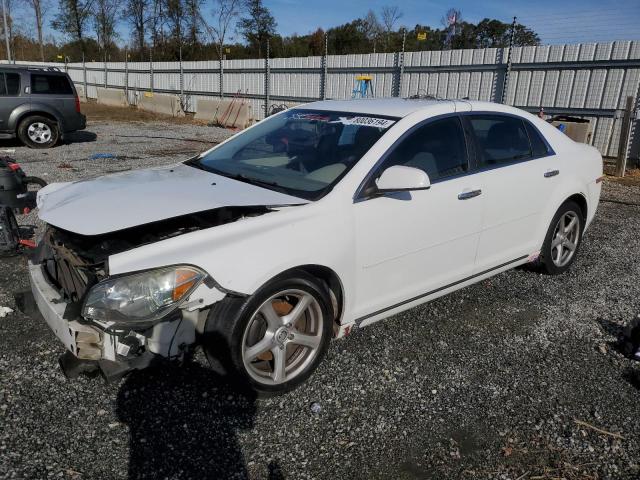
(466, 195)
(551, 173)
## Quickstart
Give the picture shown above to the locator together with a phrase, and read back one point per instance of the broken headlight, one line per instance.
(141, 297)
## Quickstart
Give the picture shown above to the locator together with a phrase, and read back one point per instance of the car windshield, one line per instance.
(303, 153)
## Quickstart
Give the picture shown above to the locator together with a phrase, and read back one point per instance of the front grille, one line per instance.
(68, 270)
(72, 282)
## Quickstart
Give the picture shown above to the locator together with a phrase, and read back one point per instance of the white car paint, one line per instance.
(389, 254)
(127, 199)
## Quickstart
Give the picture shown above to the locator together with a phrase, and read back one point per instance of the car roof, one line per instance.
(401, 107)
(31, 68)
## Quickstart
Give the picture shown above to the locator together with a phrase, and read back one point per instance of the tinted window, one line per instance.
(501, 138)
(50, 84)
(538, 145)
(438, 148)
(13, 83)
(3, 86)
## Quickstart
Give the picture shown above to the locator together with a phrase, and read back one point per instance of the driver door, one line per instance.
(412, 244)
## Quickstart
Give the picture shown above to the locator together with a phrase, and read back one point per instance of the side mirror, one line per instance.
(402, 179)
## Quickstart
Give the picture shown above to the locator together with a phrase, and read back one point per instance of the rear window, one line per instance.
(50, 84)
(9, 84)
(501, 138)
(538, 145)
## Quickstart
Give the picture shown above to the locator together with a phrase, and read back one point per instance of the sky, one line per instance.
(556, 21)
(571, 20)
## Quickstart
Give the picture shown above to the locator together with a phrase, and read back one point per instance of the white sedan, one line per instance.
(319, 219)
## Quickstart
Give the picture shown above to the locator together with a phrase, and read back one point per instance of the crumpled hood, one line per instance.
(123, 200)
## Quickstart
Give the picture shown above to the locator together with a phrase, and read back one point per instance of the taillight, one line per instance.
(77, 104)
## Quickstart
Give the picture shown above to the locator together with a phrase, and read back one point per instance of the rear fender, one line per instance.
(29, 109)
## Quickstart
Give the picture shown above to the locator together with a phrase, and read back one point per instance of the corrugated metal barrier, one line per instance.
(587, 80)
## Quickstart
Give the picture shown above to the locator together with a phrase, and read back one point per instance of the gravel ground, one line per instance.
(489, 382)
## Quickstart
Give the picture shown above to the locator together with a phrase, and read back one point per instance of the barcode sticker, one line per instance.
(368, 121)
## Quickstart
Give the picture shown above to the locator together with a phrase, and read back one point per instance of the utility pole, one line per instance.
(505, 84)
(6, 30)
(267, 81)
(323, 77)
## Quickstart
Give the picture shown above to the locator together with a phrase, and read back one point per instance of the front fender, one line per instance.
(32, 108)
(244, 255)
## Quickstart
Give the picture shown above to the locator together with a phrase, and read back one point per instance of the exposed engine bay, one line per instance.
(72, 264)
(76, 262)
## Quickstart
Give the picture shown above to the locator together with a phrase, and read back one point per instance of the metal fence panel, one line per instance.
(591, 80)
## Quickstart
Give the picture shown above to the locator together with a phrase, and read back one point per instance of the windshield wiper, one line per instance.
(195, 162)
(254, 181)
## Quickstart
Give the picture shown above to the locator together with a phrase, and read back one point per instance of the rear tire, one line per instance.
(563, 239)
(272, 341)
(38, 132)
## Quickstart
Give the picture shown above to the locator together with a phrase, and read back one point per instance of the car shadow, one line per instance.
(81, 136)
(633, 377)
(184, 422)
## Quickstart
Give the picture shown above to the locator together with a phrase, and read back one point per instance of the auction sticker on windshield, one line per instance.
(367, 121)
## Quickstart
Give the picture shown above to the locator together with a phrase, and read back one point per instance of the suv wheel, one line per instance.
(38, 132)
(272, 341)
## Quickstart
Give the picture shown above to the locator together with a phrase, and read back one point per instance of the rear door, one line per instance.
(56, 90)
(11, 96)
(518, 172)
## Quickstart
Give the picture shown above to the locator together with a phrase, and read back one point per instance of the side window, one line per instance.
(438, 148)
(13, 83)
(3, 86)
(50, 84)
(538, 145)
(502, 139)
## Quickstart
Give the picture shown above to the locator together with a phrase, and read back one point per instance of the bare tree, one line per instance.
(37, 6)
(157, 23)
(390, 16)
(257, 25)
(452, 22)
(105, 17)
(176, 17)
(193, 20)
(72, 19)
(136, 14)
(225, 13)
(372, 28)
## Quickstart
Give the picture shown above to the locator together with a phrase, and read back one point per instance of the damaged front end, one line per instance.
(118, 323)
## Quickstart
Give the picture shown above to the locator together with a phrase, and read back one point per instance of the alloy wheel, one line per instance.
(565, 240)
(283, 337)
(39, 132)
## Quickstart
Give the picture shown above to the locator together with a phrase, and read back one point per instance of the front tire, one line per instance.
(563, 239)
(38, 132)
(272, 341)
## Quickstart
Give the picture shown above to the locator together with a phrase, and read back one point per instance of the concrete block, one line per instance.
(161, 103)
(82, 95)
(233, 113)
(206, 109)
(112, 97)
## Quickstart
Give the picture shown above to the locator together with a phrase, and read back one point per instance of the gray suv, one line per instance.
(38, 105)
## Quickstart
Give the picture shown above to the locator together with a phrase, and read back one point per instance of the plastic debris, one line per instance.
(316, 408)
(101, 156)
(4, 311)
